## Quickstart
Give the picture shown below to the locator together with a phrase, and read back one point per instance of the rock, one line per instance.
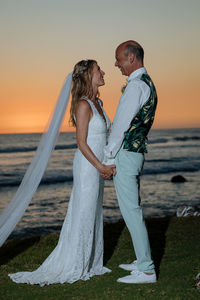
(178, 178)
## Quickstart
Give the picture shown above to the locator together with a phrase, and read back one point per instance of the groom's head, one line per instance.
(129, 57)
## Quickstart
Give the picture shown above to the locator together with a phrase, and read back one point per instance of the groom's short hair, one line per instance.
(136, 49)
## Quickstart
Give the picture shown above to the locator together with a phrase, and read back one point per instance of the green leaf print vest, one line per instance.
(136, 136)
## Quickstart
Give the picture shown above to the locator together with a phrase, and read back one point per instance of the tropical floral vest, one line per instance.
(136, 136)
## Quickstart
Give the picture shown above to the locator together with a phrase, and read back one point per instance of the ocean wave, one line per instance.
(170, 170)
(178, 159)
(158, 141)
(15, 149)
(48, 180)
(54, 179)
(33, 148)
(177, 138)
(187, 138)
(175, 146)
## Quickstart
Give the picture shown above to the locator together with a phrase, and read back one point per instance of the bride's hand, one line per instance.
(107, 171)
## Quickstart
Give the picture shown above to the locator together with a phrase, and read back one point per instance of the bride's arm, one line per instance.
(83, 116)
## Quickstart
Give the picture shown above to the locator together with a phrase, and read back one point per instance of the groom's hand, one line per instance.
(114, 171)
(108, 171)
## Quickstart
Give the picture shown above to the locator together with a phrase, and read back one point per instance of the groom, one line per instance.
(126, 147)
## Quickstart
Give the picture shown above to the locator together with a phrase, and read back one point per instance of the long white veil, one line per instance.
(17, 206)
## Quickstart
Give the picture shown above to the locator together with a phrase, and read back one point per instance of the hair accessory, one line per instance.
(85, 62)
(83, 68)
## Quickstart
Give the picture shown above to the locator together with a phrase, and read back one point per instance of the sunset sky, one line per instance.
(41, 40)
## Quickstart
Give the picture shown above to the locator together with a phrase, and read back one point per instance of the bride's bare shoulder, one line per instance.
(83, 107)
(83, 104)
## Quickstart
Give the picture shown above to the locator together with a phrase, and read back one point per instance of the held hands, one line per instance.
(107, 171)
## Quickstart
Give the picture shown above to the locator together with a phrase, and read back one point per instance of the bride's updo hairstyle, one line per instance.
(81, 84)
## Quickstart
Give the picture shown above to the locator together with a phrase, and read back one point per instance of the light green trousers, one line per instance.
(129, 166)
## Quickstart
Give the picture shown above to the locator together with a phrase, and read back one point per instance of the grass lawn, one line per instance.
(175, 244)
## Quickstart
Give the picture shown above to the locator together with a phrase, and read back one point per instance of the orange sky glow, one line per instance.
(39, 48)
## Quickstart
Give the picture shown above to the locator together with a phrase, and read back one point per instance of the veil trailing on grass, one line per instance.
(17, 206)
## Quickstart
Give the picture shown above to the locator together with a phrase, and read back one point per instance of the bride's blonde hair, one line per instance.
(81, 84)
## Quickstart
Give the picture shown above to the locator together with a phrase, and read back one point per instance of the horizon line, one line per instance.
(63, 131)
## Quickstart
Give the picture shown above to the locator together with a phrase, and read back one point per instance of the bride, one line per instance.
(79, 252)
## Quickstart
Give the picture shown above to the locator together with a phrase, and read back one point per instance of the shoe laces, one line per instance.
(136, 273)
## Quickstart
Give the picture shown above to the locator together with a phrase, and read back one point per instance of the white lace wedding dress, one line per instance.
(79, 252)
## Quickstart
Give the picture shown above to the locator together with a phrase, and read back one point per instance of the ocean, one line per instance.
(170, 152)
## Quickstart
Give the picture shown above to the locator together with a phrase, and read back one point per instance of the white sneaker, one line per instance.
(130, 267)
(138, 277)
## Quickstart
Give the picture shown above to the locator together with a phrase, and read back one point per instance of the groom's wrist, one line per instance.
(108, 161)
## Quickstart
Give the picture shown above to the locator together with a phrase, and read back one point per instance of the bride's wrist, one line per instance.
(99, 167)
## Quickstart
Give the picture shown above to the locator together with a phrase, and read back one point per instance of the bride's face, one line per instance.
(97, 76)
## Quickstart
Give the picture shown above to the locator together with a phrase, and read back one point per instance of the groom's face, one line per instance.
(122, 61)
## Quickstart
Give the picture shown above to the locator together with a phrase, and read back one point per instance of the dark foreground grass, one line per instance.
(175, 246)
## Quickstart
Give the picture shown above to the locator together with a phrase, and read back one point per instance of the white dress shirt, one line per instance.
(136, 94)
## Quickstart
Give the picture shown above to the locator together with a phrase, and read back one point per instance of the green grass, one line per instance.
(175, 249)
